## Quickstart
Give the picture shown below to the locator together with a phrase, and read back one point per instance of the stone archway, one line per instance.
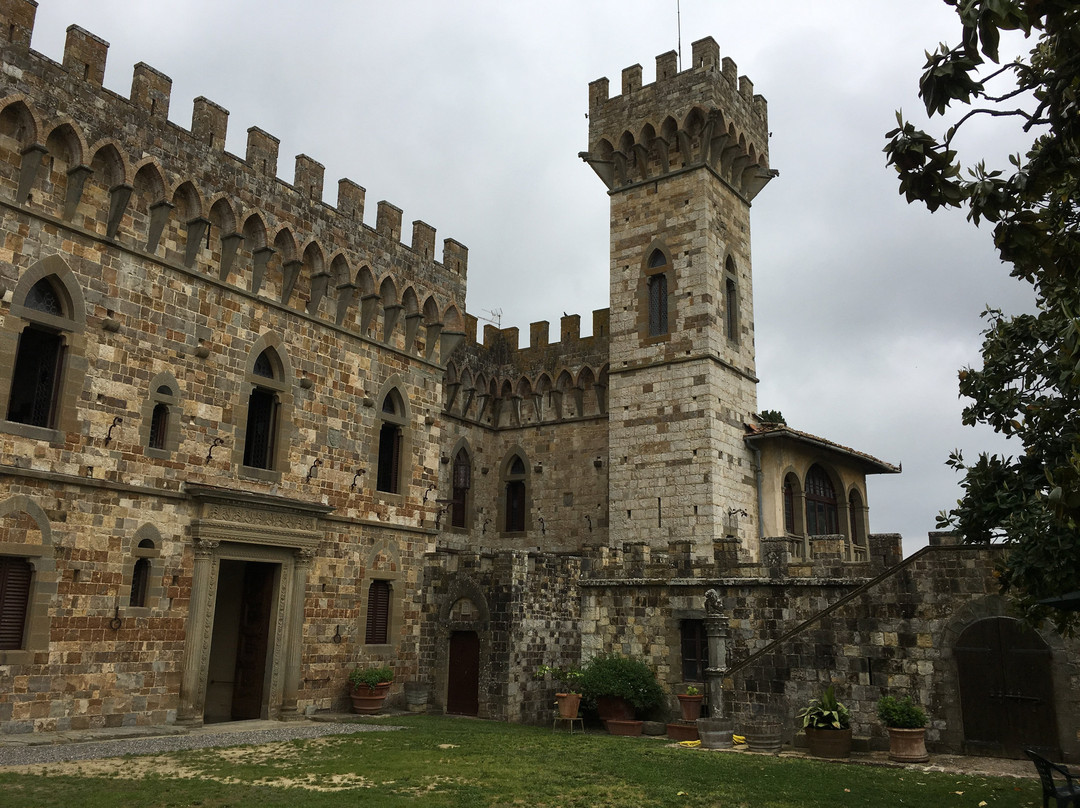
(463, 675)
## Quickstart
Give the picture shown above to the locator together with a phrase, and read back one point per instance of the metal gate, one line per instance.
(1006, 690)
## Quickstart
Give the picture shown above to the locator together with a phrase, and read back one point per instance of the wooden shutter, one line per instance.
(15, 574)
(378, 613)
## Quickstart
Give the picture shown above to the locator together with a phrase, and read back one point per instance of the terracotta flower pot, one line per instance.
(368, 700)
(568, 704)
(829, 743)
(614, 707)
(691, 706)
(682, 731)
(630, 728)
(908, 745)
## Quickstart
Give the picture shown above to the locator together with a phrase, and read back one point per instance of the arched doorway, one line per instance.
(463, 676)
(1006, 689)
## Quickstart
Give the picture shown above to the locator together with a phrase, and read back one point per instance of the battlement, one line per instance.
(139, 150)
(706, 115)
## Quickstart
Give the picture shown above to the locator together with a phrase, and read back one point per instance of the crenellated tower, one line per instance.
(682, 159)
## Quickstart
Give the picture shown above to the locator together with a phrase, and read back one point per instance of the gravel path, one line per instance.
(92, 750)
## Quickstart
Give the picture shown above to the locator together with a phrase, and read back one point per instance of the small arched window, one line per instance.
(391, 439)
(260, 437)
(462, 474)
(855, 514)
(39, 359)
(159, 425)
(821, 509)
(515, 502)
(140, 581)
(657, 292)
(731, 300)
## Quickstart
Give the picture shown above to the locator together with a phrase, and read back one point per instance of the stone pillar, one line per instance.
(196, 650)
(294, 634)
(717, 633)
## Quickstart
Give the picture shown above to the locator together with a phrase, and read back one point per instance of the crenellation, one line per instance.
(350, 200)
(85, 54)
(667, 65)
(746, 87)
(209, 123)
(262, 152)
(538, 334)
(17, 22)
(706, 53)
(151, 90)
(388, 221)
(631, 79)
(308, 178)
(423, 240)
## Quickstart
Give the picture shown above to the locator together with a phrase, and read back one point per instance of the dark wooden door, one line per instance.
(255, 608)
(1006, 689)
(463, 681)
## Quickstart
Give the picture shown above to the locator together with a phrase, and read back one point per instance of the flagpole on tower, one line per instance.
(678, 20)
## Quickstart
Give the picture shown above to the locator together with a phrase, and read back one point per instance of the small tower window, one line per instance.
(515, 500)
(657, 290)
(140, 582)
(159, 425)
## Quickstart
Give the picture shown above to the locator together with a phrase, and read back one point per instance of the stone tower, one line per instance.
(682, 159)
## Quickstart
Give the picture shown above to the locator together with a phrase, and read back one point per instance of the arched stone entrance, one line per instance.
(1005, 675)
(463, 650)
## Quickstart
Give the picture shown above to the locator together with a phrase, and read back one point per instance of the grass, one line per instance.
(460, 762)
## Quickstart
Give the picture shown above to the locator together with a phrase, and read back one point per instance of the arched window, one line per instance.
(658, 293)
(378, 613)
(39, 359)
(515, 501)
(462, 482)
(262, 415)
(789, 504)
(821, 510)
(159, 425)
(391, 434)
(140, 581)
(731, 309)
(855, 514)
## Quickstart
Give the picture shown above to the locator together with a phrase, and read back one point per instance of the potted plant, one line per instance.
(368, 688)
(906, 722)
(569, 679)
(690, 703)
(620, 686)
(827, 724)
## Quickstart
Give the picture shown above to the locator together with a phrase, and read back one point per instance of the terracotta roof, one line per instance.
(755, 433)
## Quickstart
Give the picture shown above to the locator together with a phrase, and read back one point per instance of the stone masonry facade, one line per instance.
(249, 442)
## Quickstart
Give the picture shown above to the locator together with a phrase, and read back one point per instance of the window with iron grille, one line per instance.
(695, 650)
(658, 305)
(15, 577)
(378, 613)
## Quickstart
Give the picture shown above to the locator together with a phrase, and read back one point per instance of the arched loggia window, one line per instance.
(821, 507)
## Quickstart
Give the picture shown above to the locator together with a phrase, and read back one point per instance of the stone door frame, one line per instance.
(243, 526)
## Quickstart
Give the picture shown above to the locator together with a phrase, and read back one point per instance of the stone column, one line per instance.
(199, 631)
(294, 633)
(717, 633)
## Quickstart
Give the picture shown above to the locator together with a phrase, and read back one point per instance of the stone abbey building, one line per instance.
(248, 441)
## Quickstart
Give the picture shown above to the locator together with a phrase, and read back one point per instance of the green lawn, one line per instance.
(461, 762)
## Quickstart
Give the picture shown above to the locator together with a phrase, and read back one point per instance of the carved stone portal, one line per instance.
(236, 526)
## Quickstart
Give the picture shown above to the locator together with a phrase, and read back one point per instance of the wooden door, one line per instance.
(1006, 689)
(255, 610)
(463, 681)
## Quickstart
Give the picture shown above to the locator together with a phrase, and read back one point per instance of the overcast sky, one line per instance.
(470, 115)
